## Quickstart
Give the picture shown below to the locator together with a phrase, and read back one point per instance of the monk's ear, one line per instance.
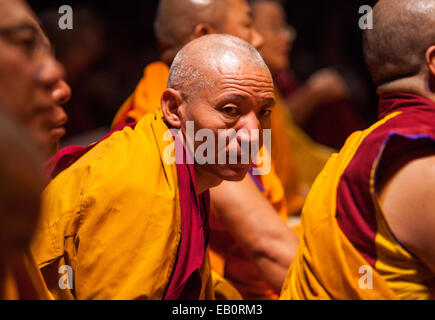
(171, 101)
(202, 29)
(430, 60)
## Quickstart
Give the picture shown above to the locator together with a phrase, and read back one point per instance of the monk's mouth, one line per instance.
(58, 132)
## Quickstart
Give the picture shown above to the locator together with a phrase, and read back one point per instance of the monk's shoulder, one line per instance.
(130, 159)
(406, 193)
(121, 181)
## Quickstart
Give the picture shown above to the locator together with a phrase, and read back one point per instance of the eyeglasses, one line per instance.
(27, 37)
(290, 30)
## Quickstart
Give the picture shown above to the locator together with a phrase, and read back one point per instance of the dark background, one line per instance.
(118, 36)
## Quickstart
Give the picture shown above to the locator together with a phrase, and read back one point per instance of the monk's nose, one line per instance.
(50, 73)
(251, 129)
(257, 39)
(61, 93)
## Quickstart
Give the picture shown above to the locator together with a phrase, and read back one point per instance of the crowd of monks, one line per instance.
(116, 220)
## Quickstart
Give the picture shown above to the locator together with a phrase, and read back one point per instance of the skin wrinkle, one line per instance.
(230, 98)
(236, 85)
(248, 84)
(268, 100)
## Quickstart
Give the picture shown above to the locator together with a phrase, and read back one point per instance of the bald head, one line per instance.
(180, 21)
(197, 65)
(176, 20)
(403, 30)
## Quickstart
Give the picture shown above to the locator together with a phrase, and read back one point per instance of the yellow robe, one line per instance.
(146, 97)
(347, 250)
(327, 265)
(114, 217)
(22, 280)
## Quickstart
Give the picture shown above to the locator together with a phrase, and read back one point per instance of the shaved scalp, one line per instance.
(176, 20)
(402, 32)
(195, 64)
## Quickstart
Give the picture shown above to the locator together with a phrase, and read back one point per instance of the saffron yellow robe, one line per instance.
(347, 250)
(114, 217)
(326, 265)
(146, 97)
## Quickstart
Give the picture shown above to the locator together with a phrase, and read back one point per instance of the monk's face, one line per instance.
(31, 86)
(242, 101)
(270, 21)
(239, 23)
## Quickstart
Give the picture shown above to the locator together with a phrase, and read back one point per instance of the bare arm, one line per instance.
(323, 87)
(253, 221)
(407, 197)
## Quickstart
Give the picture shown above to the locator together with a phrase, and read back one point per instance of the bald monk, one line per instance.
(31, 92)
(256, 268)
(157, 248)
(368, 223)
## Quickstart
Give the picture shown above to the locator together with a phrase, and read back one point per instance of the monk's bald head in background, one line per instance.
(180, 21)
(220, 82)
(31, 85)
(400, 49)
(21, 183)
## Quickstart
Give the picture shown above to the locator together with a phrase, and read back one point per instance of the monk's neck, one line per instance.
(416, 85)
(205, 180)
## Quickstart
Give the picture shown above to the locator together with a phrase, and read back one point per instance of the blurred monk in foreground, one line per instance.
(243, 212)
(21, 184)
(31, 92)
(369, 218)
(131, 221)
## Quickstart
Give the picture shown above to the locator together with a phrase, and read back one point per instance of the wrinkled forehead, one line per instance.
(14, 12)
(230, 64)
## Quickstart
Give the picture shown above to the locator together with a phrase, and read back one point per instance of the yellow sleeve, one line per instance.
(114, 219)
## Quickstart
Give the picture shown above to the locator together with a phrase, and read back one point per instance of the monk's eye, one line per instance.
(27, 39)
(249, 24)
(265, 113)
(231, 111)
